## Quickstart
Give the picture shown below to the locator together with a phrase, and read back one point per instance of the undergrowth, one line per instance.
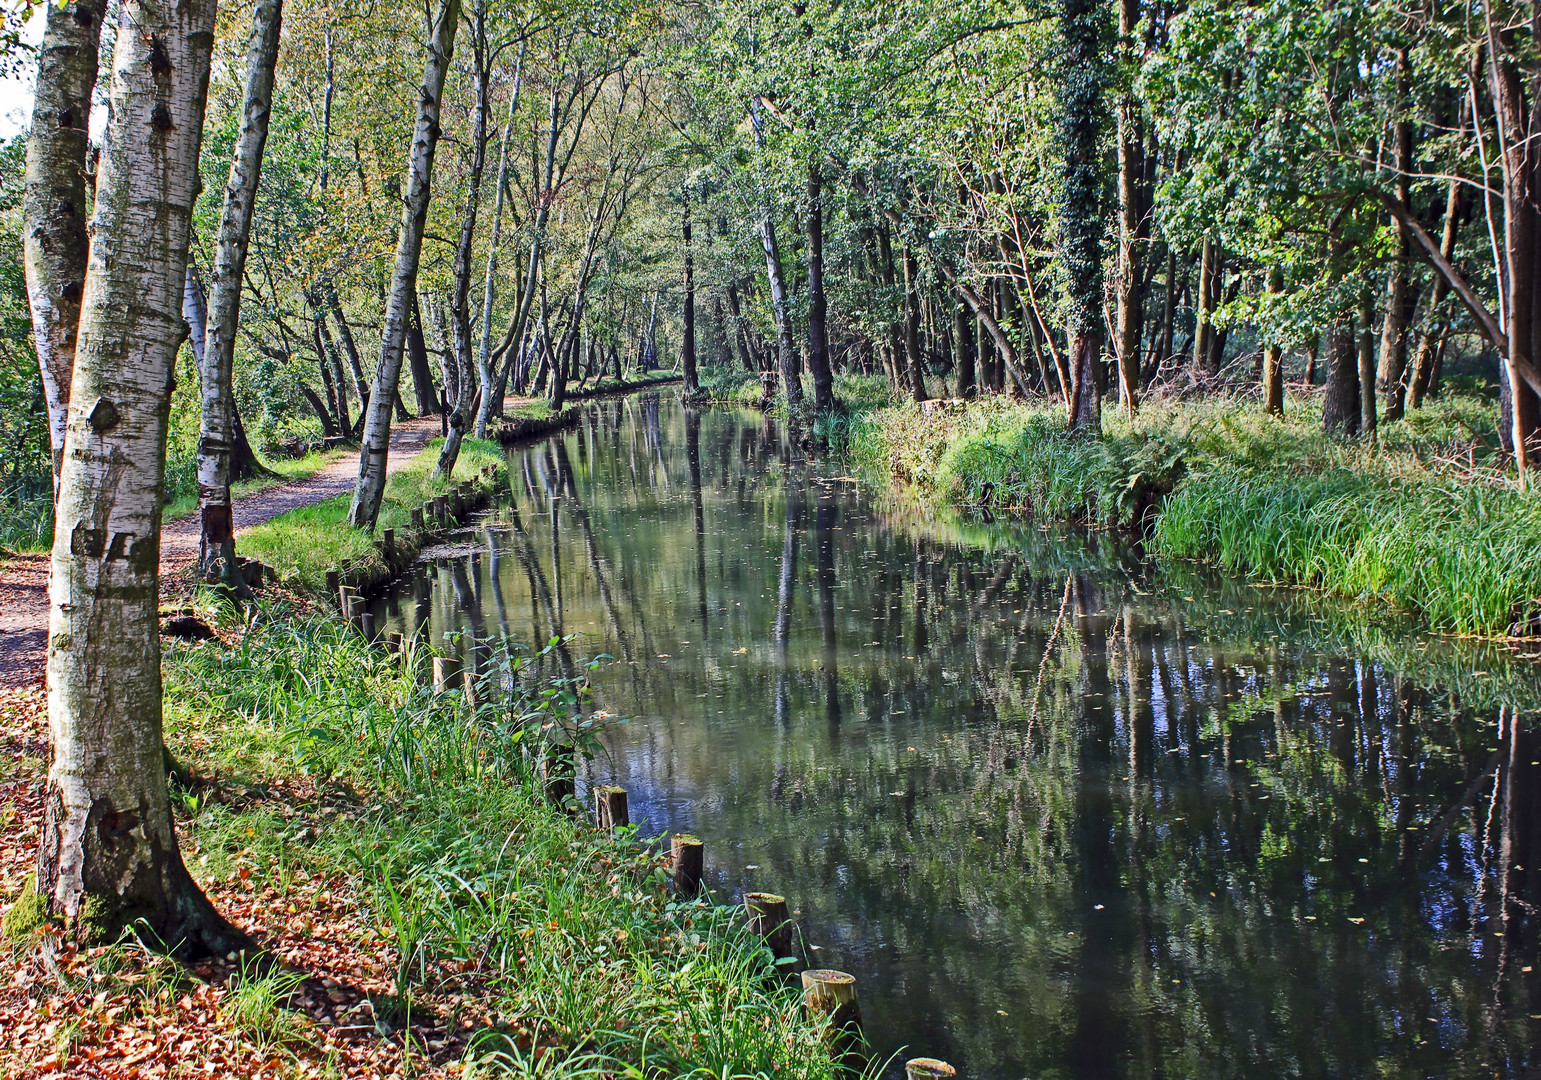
(1424, 519)
(558, 939)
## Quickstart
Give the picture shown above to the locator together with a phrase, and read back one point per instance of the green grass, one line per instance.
(483, 898)
(303, 544)
(1425, 520)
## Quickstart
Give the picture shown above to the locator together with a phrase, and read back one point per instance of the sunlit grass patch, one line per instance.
(304, 543)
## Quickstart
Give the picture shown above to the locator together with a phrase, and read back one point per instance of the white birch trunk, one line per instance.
(370, 488)
(484, 348)
(786, 355)
(460, 418)
(54, 239)
(216, 433)
(108, 855)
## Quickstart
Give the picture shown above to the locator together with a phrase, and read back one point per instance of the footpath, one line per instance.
(24, 578)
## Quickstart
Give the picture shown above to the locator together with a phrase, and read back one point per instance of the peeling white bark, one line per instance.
(108, 854)
(370, 488)
(216, 433)
(54, 241)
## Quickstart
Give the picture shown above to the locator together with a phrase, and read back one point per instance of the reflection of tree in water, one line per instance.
(1020, 773)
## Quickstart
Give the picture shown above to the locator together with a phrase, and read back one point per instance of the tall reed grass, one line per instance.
(1425, 519)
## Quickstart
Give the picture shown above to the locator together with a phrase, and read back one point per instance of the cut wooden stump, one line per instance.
(928, 1069)
(769, 918)
(687, 857)
(446, 673)
(831, 996)
(610, 809)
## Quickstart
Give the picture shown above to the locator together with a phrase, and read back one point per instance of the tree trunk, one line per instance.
(818, 329)
(54, 241)
(216, 434)
(370, 488)
(108, 856)
(912, 358)
(1081, 218)
(1399, 296)
(786, 350)
(1340, 402)
(333, 361)
(1423, 360)
(349, 349)
(460, 309)
(966, 358)
(417, 355)
(1367, 363)
(1202, 329)
(1273, 358)
(688, 348)
(1131, 217)
(492, 404)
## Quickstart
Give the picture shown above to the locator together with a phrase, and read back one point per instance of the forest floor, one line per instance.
(24, 577)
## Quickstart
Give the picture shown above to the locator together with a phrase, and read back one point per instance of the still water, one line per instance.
(1064, 813)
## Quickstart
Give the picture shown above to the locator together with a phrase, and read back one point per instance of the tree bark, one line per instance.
(460, 310)
(786, 350)
(417, 356)
(370, 488)
(688, 347)
(108, 856)
(1130, 288)
(966, 352)
(1081, 218)
(912, 358)
(818, 308)
(1273, 358)
(1203, 331)
(490, 405)
(216, 435)
(1367, 363)
(1340, 401)
(54, 241)
(1400, 298)
(1423, 359)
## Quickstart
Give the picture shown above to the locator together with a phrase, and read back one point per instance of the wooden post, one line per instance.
(472, 686)
(688, 857)
(557, 771)
(831, 995)
(345, 598)
(769, 918)
(928, 1069)
(394, 642)
(366, 625)
(610, 809)
(417, 519)
(333, 581)
(446, 671)
(388, 542)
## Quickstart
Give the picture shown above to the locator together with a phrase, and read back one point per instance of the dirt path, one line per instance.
(24, 579)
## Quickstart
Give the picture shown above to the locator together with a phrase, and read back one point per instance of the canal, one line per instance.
(1064, 811)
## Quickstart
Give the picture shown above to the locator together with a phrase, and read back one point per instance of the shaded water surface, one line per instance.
(1062, 813)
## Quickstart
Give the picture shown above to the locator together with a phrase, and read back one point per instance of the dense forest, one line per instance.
(1078, 202)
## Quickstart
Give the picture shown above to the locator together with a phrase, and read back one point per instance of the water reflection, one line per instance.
(1064, 814)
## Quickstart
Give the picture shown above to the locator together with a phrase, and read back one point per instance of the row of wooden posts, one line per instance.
(827, 994)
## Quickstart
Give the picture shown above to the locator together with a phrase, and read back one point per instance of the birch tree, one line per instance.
(217, 428)
(108, 856)
(370, 488)
(54, 226)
